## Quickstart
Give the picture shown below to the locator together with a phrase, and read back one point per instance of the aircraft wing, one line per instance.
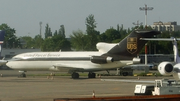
(129, 81)
(65, 67)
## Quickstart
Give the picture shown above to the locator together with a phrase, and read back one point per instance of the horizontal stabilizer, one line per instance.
(105, 47)
(160, 39)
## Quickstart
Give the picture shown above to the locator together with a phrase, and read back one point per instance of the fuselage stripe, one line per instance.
(55, 59)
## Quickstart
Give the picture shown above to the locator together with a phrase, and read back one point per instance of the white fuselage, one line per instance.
(61, 61)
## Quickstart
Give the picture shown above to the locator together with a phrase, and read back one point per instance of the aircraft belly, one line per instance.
(29, 65)
(87, 65)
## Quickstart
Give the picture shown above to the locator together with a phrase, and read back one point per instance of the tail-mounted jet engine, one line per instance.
(101, 59)
(165, 68)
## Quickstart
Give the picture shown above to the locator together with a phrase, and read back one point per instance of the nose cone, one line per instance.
(9, 65)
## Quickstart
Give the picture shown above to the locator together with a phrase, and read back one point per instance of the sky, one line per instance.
(25, 15)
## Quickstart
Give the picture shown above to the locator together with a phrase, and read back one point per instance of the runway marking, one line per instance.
(107, 95)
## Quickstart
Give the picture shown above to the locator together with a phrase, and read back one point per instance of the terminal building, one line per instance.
(165, 26)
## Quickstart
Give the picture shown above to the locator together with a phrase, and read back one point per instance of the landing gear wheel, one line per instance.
(75, 75)
(22, 75)
(91, 75)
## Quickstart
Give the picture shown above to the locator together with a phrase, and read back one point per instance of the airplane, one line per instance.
(109, 56)
(165, 67)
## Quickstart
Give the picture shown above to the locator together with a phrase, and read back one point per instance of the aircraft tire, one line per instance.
(22, 75)
(91, 75)
(75, 75)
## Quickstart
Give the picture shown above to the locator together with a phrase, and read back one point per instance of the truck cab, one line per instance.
(165, 86)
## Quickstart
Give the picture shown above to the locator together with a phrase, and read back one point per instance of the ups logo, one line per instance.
(132, 45)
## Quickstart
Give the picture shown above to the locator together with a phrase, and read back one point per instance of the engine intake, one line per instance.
(165, 68)
(101, 59)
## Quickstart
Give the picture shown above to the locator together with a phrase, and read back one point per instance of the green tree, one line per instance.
(62, 31)
(11, 41)
(55, 33)
(48, 32)
(37, 41)
(56, 43)
(103, 37)
(90, 24)
(93, 35)
(28, 41)
(112, 34)
(78, 40)
(123, 32)
(48, 45)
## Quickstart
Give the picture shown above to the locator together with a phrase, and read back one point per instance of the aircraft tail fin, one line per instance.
(131, 45)
(175, 49)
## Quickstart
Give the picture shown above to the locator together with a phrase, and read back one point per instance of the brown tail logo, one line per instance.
(132, 45)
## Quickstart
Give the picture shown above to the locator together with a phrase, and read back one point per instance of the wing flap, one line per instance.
(65, 67)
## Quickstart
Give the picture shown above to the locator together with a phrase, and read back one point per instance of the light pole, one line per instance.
(146, 9)
(40, 23)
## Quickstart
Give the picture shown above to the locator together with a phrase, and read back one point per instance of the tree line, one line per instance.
(82, 41)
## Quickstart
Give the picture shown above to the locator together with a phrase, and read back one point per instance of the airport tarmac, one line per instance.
(39, 88)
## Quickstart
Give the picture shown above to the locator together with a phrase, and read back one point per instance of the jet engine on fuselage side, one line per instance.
(101, 59)
(165, 68)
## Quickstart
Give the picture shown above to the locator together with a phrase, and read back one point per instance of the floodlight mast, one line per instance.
(40, 23)
(146, 9)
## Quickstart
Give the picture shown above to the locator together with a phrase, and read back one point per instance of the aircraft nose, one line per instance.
(8, 64)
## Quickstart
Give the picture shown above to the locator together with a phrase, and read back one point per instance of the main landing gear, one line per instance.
(91, 75)
(22, 74)
(75, 75)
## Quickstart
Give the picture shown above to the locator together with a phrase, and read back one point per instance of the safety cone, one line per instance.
(93, 94)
